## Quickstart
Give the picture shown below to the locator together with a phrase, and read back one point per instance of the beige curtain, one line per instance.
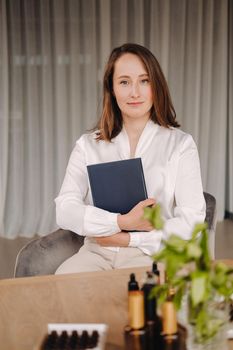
(229, 152)
(52, 55)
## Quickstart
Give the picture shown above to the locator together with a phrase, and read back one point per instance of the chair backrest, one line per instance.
(43, 255)
(210, 210)
(211, 219)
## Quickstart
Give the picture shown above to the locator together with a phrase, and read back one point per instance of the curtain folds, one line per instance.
(229, 158)
(4, 113)
(52, 57)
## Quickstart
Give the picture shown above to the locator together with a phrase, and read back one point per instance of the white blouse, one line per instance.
(172, 175)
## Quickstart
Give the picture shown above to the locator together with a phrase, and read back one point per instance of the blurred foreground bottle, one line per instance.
(135, 332)
(152, 321)
(173, 335)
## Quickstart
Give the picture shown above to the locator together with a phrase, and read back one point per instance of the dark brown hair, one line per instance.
(162, 111)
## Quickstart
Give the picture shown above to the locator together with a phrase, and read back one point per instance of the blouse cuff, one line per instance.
(134, 239)
(148, 242)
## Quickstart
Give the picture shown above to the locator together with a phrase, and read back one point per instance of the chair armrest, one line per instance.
(43, 255)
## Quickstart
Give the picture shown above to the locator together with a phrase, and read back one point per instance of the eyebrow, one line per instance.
(127, 76)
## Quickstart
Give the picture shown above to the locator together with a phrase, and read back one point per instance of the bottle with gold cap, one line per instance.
(169, 324)
(174, 335)
(135, 333)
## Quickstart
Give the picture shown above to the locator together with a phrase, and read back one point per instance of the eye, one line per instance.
(145, 81)
(124, 82)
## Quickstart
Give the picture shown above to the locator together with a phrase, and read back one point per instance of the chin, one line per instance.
(138, 115)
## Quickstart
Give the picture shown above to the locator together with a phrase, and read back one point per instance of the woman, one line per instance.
(138, 120)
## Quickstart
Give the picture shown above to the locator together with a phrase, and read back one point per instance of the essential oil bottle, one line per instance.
(170, 339)
(135, 332)
(152, 321)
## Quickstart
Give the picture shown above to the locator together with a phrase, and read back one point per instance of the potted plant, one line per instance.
(205, 285)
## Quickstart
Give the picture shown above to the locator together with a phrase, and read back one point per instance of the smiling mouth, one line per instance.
(135, 103)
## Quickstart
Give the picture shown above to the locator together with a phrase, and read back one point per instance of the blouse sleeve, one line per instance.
(71, 211)
(190, 206)
(189, 203)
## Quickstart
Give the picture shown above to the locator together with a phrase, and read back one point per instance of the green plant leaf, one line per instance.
(179, 295)
(176, 243)
(160, 292)
(193, 250)
(198, 287)
(206, 326)
(189, 269)
(221, 267)
(199, 228)
(222, 280)
(154, 216)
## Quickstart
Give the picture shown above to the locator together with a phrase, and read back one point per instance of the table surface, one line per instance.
(28, 304)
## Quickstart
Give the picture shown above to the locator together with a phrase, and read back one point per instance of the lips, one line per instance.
(135, 103)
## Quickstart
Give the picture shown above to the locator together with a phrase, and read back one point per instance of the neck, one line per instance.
(134, 127)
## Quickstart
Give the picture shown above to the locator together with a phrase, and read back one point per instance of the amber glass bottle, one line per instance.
(135, 332)
(170, 339)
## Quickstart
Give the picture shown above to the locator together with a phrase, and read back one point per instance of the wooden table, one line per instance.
(27, 305)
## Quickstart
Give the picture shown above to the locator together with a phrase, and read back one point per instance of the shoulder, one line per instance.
(175, 142)
(175, 133)
(185, 143)
(90, 146)
(87, 139)
(177, 136)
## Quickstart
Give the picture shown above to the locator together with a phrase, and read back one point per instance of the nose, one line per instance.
(135, 90)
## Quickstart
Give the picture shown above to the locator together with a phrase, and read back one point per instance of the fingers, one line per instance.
(147, 202)
(134, 219)
(146, 226)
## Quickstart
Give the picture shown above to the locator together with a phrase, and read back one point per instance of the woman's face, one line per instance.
(132, 88)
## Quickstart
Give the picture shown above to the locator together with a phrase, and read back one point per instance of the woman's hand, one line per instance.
(133, 220)
(120, 239)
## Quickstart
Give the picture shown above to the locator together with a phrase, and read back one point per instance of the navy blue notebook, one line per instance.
(117, 186)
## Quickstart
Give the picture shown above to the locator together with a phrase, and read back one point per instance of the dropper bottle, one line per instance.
(132, 284)
(150, 302)
(152, 321)
(169, 322)
(135, 334)
(156, 272)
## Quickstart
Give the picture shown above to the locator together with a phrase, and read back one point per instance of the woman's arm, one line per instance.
(134, 220)
(120, 239)
(131, 221)
(189, 203)
(73, 214)
(190, 206)
(71, 211)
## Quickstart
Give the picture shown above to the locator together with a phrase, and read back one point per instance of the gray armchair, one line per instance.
(43, 255)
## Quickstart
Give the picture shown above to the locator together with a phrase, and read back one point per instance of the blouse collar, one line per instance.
(122, 140)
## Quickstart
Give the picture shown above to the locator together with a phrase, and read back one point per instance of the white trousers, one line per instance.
(93, 257)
